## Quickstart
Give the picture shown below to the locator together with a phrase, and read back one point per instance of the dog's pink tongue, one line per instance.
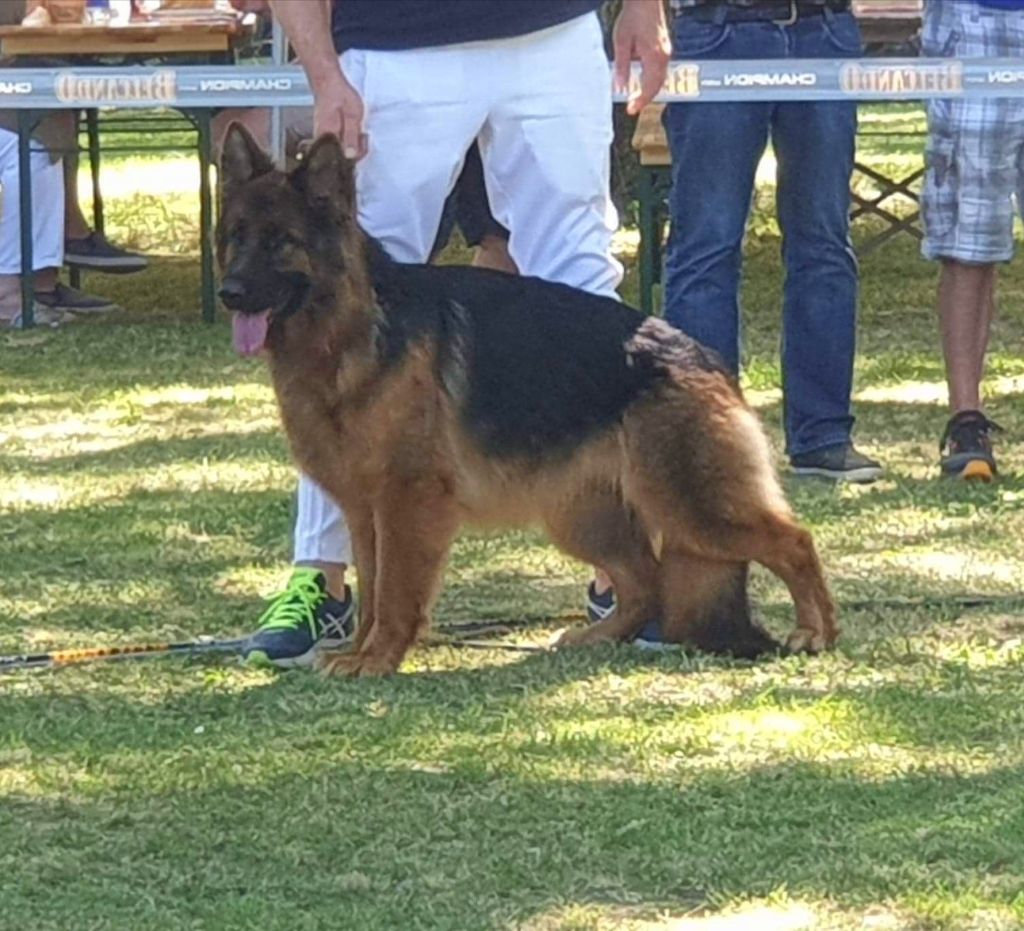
(249, 332)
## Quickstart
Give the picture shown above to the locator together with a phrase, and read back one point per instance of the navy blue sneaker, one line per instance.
(601, 606)
(299, 621)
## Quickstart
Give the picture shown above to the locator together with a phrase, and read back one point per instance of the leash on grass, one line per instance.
(54, 658)
(206, 645)
(472, 631)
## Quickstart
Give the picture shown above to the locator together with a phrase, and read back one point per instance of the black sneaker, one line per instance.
(72, 301)
(300, 621)
(841, 463)
(966, 447)
(601, 606)
(96, 253)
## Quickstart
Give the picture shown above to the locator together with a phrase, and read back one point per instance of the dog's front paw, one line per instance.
(808, 641)
(352, 664)
(572, 637)
(334, 663)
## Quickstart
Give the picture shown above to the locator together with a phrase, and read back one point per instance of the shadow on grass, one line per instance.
(412, 820)
(953, 705)
(153, 453)
(157, 563)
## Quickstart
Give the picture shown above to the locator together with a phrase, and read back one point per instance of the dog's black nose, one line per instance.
(232, 293)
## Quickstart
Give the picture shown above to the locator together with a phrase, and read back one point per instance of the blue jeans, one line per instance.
(715, 152)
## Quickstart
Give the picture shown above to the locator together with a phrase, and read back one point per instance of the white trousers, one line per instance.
(47, 208)
(540, 106)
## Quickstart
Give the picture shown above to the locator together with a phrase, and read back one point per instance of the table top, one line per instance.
(138, 37)
(887, 9)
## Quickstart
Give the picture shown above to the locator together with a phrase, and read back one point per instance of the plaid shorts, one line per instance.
(975, 152)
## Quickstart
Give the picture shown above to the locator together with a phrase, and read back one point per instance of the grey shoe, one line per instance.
(72, 301)
(41, 316)
(842, 463)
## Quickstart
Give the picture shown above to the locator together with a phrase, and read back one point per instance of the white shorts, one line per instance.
(541, 107)
(47, 208)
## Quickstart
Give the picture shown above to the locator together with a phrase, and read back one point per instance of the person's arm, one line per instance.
(336, 105)
(640, 33)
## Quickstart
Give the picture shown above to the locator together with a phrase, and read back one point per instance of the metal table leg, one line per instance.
(92, 122)
(202, 122)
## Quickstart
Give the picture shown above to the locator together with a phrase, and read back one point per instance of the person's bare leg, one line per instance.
(966, 309)
(984, 331)
(46, 279)
(76, 226)
(10, 291)
(602, 582)
(334, 575)
(10, 296)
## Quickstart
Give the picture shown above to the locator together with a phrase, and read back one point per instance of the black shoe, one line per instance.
(841, 463)
(95, 252)
(603, 606)
(966, 447)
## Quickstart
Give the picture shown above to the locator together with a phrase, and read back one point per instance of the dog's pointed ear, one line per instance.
(241, 157)
(326, 177)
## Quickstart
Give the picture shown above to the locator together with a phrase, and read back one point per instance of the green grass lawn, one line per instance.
(145, 493)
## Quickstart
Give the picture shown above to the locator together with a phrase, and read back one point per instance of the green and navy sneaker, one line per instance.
(301, 620)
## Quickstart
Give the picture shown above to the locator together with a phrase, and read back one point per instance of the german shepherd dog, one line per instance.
(422, 398)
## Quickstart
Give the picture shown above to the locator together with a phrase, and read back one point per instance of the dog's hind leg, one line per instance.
(704, 473)
(787, 549)
(783, 547)
(415, 524)
(705, 605)
(597, 528)
(771, 538)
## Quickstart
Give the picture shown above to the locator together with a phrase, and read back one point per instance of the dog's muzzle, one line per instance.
(233, 294)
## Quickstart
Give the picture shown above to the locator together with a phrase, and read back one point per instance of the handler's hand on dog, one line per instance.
(338, 109)
(641, 34)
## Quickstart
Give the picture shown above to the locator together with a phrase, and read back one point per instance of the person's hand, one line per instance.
(641, 34)
(338, 109)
